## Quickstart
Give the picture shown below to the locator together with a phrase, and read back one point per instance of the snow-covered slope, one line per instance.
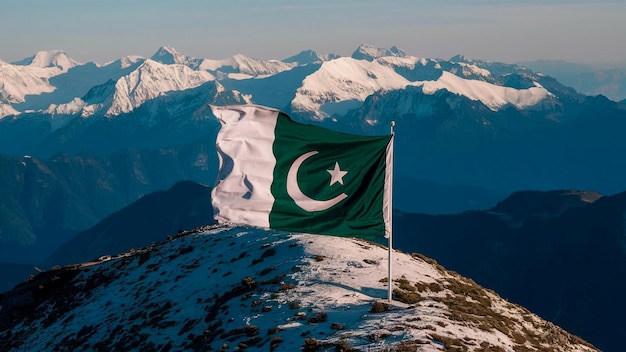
(31, 76)
(341, 81)
(493, 96)
(409, 62)
(16, 82)
(344, 83)
(237, 67)
(125, 62)
(7, 110)
(151, 80)
(240, 66)
(62, 114)
(236, 288)
(51, 79)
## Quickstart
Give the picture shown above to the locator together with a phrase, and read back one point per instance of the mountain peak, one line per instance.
(544, 203)
(304, 57)
(166, 52)
(167, 49)
(51, 58)
(128, 61)
(240, 287)
(168, 55)
(460, 58)
(370, 52)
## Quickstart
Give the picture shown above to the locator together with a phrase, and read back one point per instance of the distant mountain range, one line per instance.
(587, 79)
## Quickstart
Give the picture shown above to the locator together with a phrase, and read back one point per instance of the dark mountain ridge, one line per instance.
(185, 206)
(559, 253)
(46, 202)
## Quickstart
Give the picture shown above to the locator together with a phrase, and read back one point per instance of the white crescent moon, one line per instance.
(301, 200)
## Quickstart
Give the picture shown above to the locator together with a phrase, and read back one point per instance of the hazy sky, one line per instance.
(497, 30)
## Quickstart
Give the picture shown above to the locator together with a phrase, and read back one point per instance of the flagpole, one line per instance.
(390, 220)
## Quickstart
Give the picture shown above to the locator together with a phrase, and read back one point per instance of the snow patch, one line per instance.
(493, 96)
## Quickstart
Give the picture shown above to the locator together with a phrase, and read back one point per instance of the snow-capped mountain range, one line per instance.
(338, 82)
(241, 288)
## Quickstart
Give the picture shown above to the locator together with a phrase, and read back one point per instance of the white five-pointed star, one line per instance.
(336, 175)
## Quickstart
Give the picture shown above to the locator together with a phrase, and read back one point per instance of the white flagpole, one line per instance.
(390, 220)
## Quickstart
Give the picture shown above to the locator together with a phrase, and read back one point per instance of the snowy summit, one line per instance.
(241, 288)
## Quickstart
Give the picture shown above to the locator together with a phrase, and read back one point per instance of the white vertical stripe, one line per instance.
(388, 189)
(242, 193)
(388, 211)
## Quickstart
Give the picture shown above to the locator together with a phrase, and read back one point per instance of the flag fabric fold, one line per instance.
(277, 173)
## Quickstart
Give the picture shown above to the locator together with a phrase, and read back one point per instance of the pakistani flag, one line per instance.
(277, 173)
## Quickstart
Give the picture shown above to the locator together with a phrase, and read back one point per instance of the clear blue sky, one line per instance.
(497, 30)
